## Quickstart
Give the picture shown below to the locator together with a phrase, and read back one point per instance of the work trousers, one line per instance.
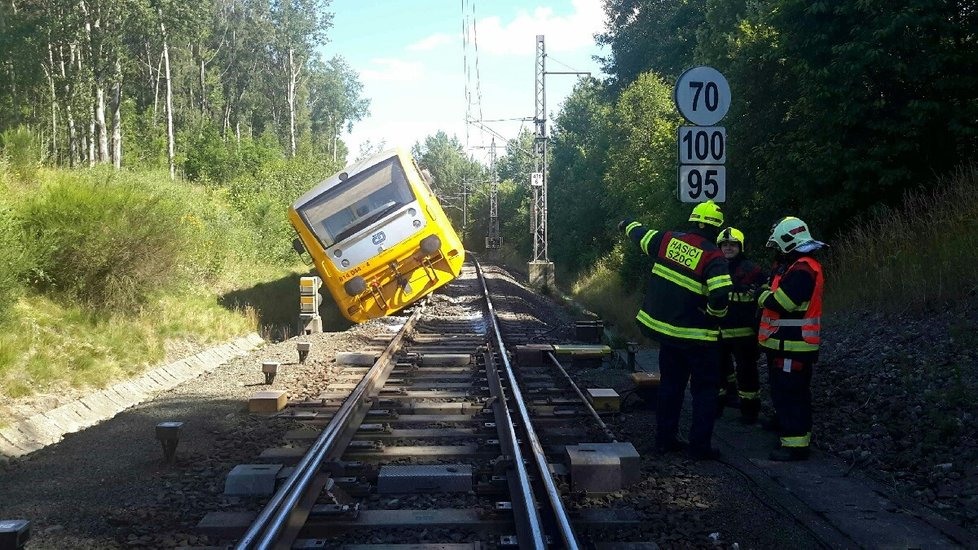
(791, 392)
(742, 381)
(699, 365)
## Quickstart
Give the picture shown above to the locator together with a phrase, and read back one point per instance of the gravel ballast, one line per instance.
(108, 486)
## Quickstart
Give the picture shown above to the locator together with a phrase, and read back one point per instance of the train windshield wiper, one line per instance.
(387, 208)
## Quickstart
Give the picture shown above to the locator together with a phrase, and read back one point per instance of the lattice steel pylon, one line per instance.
(493, 240)
(539, 180)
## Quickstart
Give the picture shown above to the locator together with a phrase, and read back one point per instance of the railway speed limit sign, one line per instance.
(700, 183)
(702, 95)
(702, 145)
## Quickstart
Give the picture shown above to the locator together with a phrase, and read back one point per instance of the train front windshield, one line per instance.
(361, 200)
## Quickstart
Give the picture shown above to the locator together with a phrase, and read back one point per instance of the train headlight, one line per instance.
(345, 263)
(416, 223)
(337, 253)
(355, 285)
(412, 212)
(430, 244)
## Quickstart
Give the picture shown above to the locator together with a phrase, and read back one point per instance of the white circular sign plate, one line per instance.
(702, 95)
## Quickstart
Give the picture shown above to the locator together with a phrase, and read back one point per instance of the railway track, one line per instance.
(442, 441)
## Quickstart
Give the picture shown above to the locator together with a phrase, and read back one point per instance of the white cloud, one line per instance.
(563, 33)
(389, 69)
(431, 42)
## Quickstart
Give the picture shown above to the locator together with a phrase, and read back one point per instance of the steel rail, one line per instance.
(539, 457)
(587, 403)
(274, 516)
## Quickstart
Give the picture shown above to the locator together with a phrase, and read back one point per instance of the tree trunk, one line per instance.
(91, 135)
(290, 98)
(49, 71)
(117, 117)
(103, 129)
(203, 83)
(169, 98)
(74, 154)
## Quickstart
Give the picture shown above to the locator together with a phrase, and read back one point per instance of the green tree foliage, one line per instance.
(88, 78)
(838, 107)
(455, 175)
(649, 34)
(578, 212)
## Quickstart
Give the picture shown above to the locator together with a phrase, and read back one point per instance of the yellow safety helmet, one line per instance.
(790, 233)
(731, 235)
(707, 212)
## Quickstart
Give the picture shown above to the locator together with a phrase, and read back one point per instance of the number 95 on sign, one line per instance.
(702, 182)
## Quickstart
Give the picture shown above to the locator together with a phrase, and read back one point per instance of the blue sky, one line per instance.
(409, 54)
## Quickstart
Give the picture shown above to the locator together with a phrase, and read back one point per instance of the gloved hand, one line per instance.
(622, 224)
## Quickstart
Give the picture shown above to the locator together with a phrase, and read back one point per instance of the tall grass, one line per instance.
(602, 291)
(14, 260)
(911, 258)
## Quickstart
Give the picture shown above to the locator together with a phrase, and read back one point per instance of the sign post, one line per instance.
(702, 96)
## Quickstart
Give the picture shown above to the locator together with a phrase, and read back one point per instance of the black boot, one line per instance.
(703, 454)
(670, 447)
(749, 410)
(771, 424)
(789, 454)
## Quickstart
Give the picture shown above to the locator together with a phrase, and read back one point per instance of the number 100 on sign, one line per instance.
(702, 145)
(700, 183)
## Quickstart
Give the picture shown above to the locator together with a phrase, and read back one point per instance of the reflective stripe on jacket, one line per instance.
(688, 290)
(791, 325)
(741, 320)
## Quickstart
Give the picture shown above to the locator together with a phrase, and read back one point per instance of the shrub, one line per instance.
(263, 201)
(145, 139)
(101, 239)
(12, 254)
(24, 152)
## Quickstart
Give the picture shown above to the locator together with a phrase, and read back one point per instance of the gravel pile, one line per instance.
(897, 396)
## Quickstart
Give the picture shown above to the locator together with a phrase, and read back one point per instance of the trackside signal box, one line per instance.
(309, 302)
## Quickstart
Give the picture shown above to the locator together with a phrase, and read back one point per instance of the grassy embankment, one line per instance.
(906, 259)
(104, 271)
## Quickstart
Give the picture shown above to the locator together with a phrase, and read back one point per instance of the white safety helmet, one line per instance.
(791, 234)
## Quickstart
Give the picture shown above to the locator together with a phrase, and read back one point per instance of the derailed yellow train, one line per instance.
(377, 236)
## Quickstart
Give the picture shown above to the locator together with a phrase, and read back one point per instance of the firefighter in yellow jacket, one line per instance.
(790, 333)
(686, 298)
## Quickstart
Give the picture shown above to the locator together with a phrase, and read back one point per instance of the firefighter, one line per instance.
(789, 333)
(738, 330)
(686, 298)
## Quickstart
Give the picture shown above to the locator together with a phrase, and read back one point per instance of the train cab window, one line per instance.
(357, 202)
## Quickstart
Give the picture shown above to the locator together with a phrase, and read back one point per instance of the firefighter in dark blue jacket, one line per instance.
(738, 330)
(686, 298)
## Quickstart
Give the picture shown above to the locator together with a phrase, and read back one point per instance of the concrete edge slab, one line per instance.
(49, 427)
(63, 419)
(40, 429)
(9, 447)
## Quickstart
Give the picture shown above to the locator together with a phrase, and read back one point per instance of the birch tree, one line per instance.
(300, 26)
